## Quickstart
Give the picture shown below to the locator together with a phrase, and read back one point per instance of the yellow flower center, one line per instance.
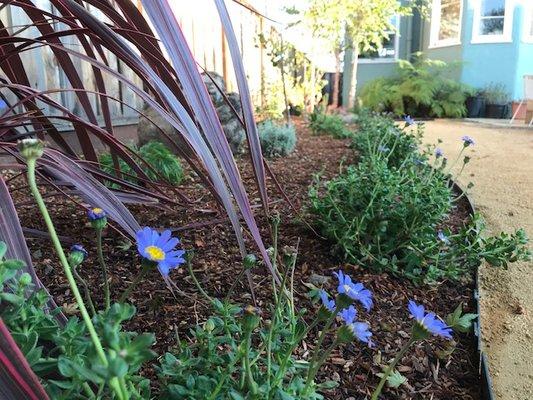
(97, 210)
(155, 253)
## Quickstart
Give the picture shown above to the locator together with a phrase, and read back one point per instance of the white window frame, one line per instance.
(505, 37)
(528, 24)
(384, 60)
(434, 41)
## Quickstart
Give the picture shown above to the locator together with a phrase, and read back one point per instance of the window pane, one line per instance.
(491, 26)
(492, 8)
(388, 49)
(531, 24)
(450, 19)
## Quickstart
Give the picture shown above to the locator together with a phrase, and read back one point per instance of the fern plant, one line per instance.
(422, 88)
(157, 155)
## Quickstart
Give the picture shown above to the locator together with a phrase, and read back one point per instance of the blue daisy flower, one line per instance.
(355, 291)
(160, 249)
(326, 302)
(443, 238)
(429, 322)
(438, 152)
(360, 330)
(408, 120)
(468, 141)
(78, 248)
(96, 213)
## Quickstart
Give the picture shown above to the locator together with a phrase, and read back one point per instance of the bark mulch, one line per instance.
(217, 261)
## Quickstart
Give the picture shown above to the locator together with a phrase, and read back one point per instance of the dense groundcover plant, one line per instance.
(387, 210)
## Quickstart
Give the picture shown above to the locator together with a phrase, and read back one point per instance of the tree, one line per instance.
(354, 26)
(326, 21)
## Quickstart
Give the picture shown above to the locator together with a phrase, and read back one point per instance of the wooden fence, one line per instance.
(201, 25)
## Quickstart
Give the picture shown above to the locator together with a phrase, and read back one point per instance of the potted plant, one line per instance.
(475, 104)
(497, 100)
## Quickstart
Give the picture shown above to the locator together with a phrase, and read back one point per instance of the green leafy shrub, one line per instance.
(154, 153)
(421, 88)
(377, 134)
(328, 124)
(386, 212)
(63, 356)
(373, 214)
(277, 140)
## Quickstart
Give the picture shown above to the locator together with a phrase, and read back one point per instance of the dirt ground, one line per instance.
(502, 170)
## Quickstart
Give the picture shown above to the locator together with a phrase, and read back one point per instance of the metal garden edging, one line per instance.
(484, 373)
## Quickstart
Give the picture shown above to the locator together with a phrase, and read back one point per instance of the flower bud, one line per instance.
(251, 316)
(98, 218)
(249, 261)
(31, 148)
(77, 255)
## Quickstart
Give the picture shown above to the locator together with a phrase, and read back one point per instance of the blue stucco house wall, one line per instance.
(502, 55)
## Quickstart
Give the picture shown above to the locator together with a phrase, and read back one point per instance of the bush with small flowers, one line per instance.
(386, 211)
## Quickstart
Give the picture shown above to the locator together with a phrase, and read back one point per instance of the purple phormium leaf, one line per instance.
(93, 192)
(194, 89)
(11, 231)
(254, 145)
(17, 380)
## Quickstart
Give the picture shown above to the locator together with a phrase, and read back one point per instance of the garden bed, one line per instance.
(216, 260)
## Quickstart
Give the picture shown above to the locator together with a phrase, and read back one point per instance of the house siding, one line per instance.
(486, 63)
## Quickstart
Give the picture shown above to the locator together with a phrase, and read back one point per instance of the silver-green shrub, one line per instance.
(277, 140)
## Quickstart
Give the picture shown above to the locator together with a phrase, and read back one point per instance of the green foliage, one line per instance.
(63, 356)
(277, 140)
(459, 321)
(236, 355)
(157, 155)
(328, 124)
(495, 93)
(376, 133)
(387, 211)
(422, 88)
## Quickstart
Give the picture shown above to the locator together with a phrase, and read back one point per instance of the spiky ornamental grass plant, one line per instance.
(172, 86)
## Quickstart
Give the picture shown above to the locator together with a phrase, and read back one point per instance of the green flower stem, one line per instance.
(313, 369)
(103, 266)
(233, 285)
(225, 376)
(390, 368)
(114, 383)
(319, 342)
(145, 268)
(83, 283)
(202, 291)
(250, 382)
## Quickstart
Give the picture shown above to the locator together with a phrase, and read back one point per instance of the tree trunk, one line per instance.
(353, 78)
(336, 80)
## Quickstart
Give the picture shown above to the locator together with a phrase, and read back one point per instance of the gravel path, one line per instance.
(502, 171)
